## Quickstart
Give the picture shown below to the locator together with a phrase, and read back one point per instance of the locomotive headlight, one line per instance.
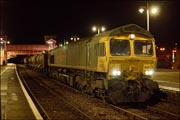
(132, 36)
(149, 72)
(116, 72)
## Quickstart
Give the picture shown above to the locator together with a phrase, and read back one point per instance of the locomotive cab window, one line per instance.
(143, 48)
(101, 49)
(52, 59)
(119, 47)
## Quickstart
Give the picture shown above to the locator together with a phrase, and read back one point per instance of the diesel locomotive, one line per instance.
(115, 65)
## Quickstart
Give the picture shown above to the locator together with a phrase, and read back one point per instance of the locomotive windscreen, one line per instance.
(119, 47)
(143, 48)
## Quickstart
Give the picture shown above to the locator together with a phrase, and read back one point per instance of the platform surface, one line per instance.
(16, 104)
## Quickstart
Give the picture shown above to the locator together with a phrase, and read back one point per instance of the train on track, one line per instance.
(115, 65)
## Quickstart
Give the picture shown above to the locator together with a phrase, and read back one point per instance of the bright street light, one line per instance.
(98, 28)
(66, 42)
(149, 10)
(141, 10)
(75, 38)
(154, 10)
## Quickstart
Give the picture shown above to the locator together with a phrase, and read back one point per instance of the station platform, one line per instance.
(168, 79)
(16, 104)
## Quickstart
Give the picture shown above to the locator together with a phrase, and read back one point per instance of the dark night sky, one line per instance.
(27, 21)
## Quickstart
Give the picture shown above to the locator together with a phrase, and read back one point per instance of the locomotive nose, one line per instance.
(121, 91)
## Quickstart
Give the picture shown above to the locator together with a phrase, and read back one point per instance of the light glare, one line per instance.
(141, 10)
(132, 36)
(116, 72)
(94, 28)
(154, 10)
(149, 72)
(103, 29)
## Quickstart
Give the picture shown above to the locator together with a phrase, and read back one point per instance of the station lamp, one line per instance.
(98, 29)
(153, 10)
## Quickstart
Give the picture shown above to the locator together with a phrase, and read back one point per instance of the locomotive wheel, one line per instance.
(109, 99)
(100, 93)
(87, 89)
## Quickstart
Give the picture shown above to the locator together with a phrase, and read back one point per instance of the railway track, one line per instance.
(55, 95)
(166, 114)
(50, 105)
(89, 106)
(152, 112)
(173, 97)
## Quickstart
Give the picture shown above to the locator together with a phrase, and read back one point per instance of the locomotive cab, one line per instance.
(131, 60)
(131, 56)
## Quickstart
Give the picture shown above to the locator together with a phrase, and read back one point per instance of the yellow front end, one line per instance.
(130, 68)
(128, 56)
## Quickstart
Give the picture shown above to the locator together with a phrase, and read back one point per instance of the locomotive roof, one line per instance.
(126, 29)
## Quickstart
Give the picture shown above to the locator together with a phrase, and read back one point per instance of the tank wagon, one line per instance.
(115, 65)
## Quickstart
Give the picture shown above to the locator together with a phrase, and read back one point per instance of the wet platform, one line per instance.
(16, 104)
(168, 79)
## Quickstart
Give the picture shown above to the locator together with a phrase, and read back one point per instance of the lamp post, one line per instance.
(162, 50)
(75, 38)
(152, 10)
(98, 28)
(65, 42)
(4, 42)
